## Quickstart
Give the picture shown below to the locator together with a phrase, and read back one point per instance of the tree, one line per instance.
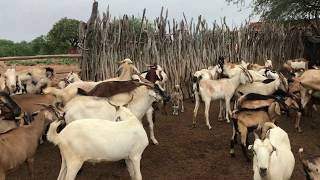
(279, 10)
(64, 34)
(6, 47)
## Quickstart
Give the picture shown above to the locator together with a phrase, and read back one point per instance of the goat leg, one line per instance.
(30, 162)
(297, 124)
(233, 141)
(195, 111)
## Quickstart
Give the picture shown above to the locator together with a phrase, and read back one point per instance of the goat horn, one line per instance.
(247, 73)
(148, 65)
(265, 128)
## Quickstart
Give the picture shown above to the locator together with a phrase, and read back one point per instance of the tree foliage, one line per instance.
(62, 36)
(279, 10)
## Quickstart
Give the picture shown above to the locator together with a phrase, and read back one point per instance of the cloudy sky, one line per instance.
(27, 19)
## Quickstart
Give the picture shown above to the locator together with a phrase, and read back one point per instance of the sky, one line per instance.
(28, 19)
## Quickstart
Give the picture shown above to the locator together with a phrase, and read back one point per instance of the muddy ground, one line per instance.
(183, 152)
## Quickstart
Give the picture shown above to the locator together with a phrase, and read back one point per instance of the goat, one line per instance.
(70, 78)
(273, 158)
(246, 120)
(113, 141)
(219, 89)
(20, 144)
(297, 64)
(311, 166)
(177, 100)
(263, 88)
(34, 80)
(82, 107)
(257, 77)
(309, 81)
(30, 103)
(156, 75)
(210, 73)
(8, 79)
(126, 69)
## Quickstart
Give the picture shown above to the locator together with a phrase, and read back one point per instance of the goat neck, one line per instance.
(38, 125)
(141, 101)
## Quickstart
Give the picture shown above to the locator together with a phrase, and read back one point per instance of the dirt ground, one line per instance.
(184, 152)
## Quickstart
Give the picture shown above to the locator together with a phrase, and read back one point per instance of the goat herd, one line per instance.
(260, 96)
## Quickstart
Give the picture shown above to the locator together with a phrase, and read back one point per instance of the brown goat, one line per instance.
(19, 145)
(311, 166)
(245, 122)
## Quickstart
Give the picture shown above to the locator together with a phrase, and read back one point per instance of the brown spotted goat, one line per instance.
(177, 100)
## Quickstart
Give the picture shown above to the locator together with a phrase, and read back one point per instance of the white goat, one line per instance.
(96, 140)
(8, 80)
(34, 80)
(70, 78)
(219, 89)
(273, 158)
(263, 88)
(210, 73)
(82, 107)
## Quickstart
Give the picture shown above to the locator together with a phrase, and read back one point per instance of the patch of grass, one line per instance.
(64, 61)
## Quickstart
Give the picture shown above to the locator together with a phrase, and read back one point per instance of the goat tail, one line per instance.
(198, 81)
(52, 134)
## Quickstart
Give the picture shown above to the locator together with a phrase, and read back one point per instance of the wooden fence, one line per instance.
(180, 47)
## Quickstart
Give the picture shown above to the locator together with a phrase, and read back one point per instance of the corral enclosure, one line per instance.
(180, 47)
(184, 152)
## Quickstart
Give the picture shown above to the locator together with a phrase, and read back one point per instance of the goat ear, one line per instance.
(277, 108)
(274, 149)
(35, 113)
(118, 71)
(256, 136)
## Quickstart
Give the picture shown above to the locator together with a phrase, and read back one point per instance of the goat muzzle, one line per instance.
(263, 172)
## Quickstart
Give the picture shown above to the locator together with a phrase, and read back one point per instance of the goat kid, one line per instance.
(177, 100)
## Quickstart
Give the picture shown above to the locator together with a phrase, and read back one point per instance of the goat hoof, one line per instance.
(209, 127)
(232, 153)
(220, 119)
(228, 121)
(300, 131)
(194, 125)
(155, 142)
